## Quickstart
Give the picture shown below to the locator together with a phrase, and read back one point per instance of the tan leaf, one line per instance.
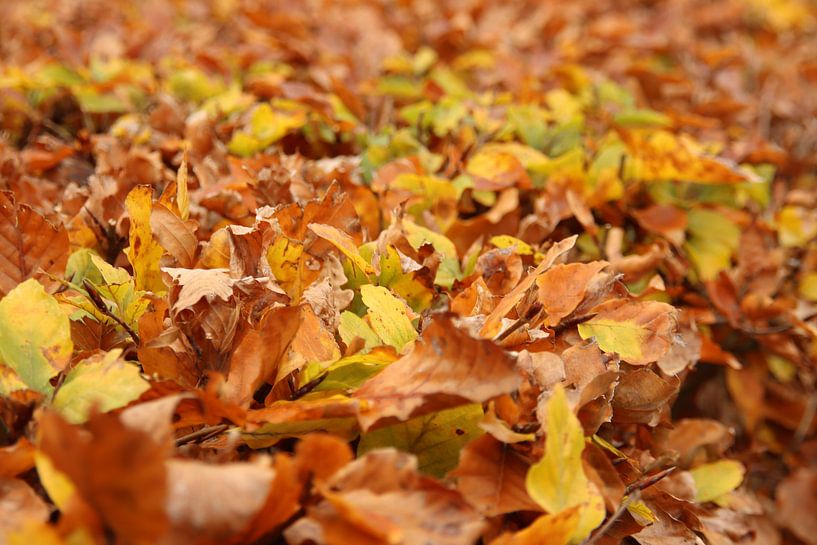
(256, 357)
(446, 368)
(382, 499)
(563, 287)
(176, 236)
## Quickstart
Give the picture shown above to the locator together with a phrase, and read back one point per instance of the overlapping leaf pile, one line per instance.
(406, 273)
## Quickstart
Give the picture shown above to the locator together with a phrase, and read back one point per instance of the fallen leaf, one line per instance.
(557, 481)
(435, 439)
(35, 349)
(30, 245)
(445, 368)
(639, 332)
(103, 382)
(143, 251)
(551, 529)
(716, 479)
(491, 477)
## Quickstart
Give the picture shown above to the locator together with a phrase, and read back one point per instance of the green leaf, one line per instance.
(104, 381)
(353, 326)
(35, 335)
(115, 287)
(436, 439)
(557, 481)
(716, 479)
(388, 316)
(641, 118)
(350, 372)
(639, 332)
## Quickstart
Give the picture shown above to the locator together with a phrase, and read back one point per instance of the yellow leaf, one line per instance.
(808, 286)
(59, 487)
(388, 316)
(556, 529)
(661, 155)
(642, 514)
(506, 241)
(557, 481)
(286, 259)
(344, 243)
(353, 326)
(35, 335)
(102, 381)
(716, 479)
(143, 251)
(796, 226)
(639, 332)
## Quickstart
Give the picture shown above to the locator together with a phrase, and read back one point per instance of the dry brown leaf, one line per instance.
(257, 354)
(491, 477)
(30, 246)
(117, 471)
(446, 367)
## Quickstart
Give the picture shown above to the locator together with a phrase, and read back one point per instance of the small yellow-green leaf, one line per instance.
(716, 479)
(388, 316)
(350, 372)
(639, 332)
(506, 241)
(103, 381)
(35, 335)
(436, 439)
(782, 369)
(353, 326)
(642, 514)
(557, 481)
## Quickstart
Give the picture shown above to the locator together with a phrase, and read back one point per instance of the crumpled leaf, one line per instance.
(445, 368)
(380, 498)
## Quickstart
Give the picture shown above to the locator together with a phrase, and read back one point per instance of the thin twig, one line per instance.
(611, 520)
(99, 303)
(512, 328)
(201, 434)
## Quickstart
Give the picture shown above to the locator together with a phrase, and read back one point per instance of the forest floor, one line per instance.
(408, 272)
